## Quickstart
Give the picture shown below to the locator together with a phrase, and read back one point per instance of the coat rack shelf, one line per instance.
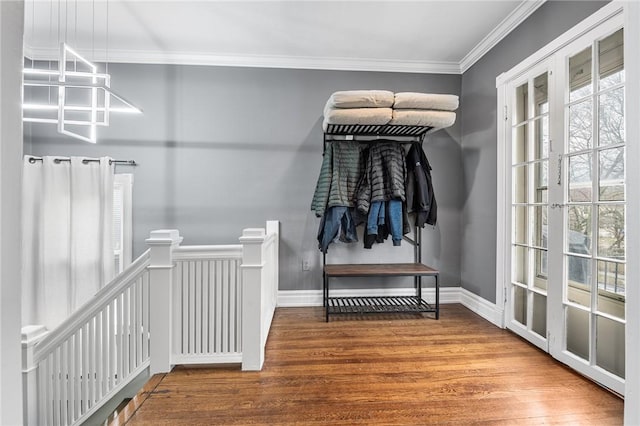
(385, 304)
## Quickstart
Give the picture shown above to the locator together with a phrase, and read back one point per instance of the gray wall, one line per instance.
(478, 104)
(222, 149)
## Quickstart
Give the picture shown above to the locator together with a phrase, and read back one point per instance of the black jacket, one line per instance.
(419, 189)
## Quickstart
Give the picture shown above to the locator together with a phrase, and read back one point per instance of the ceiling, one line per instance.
(407, 36)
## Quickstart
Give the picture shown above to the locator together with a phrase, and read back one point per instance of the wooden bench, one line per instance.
(384, 304)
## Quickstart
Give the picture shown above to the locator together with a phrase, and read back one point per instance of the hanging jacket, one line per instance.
(385, 218)
(321, 194)
(420, 197)
(384, 175)
(339, 176)
(336, 223)
(376, 230)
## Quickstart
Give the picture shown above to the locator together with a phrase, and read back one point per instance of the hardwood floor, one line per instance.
(391, 369)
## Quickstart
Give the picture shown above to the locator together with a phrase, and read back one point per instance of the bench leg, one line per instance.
(437, 296)
(325, 297)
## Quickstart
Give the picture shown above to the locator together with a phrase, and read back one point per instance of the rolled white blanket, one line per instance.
(421, 117)
(375, 116)
(431, 101)
(361, 99)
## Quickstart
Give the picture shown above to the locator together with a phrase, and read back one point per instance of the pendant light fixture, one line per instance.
(74, 95)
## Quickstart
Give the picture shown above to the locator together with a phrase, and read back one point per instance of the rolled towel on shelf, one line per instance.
(429, 101)
(361, 99)
(371, 116)
(421, 117)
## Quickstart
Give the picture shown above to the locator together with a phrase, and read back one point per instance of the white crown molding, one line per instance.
(508, 24)
(257, 61)
(515, 18)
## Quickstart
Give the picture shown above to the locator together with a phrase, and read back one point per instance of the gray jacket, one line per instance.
(384, 175)
(339, 176)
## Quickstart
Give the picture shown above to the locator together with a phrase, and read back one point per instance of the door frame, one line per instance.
(632, 108)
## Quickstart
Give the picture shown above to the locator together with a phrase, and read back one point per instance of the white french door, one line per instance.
(529, 170)
(565, 138)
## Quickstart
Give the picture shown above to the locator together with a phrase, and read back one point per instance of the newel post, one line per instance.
(252, 295)
(161, 244)
(31, 334)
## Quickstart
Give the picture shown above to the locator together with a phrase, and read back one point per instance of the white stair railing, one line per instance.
(173, 305)
(92, 354)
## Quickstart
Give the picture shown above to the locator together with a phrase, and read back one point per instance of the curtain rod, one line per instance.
(87, 161)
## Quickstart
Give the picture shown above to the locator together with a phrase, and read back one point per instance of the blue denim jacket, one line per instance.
(387, 214)
(337, 222)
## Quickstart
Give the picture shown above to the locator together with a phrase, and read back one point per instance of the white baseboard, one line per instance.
(228, 358)
(482, 307)
(475, 303)
(299, 298)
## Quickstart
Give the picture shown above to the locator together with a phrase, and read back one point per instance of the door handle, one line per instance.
(559, 169)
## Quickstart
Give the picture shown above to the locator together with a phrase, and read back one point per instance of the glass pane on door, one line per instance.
(611, 60)
(520, 305)
(541, 178)
(521, 104)
(580, 75)
(611, 174)
(520, 225)
(580, 177)
(610, 335)
(580, 126)
(611, 288)
(578, 280)
(579, 228)
(611, 117)
(520, 177)
(577, 331)
(611, 225)
(540, 262)
(521, 261)
(520, 145)
(540, 226)
(539, 325)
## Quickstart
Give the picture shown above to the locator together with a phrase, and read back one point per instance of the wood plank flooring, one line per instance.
(383, 369)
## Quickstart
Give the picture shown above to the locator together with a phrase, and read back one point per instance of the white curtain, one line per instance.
(67, 235)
